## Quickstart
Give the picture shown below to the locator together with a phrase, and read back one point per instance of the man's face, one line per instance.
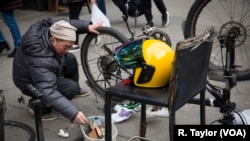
(61, 46)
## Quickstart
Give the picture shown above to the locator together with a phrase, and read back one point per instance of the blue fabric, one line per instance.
(102, 6)
(8, 17)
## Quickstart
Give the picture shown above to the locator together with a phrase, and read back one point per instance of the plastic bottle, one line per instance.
(97, 122)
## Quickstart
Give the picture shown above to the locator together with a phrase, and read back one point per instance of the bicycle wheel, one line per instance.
(99, 64)
(224, 16)
(160, 35)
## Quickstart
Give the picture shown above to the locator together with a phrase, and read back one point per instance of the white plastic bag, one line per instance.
(98, 17)
(243, 117)
(121, 114)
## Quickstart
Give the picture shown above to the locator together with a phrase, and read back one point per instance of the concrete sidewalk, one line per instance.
(157, 127)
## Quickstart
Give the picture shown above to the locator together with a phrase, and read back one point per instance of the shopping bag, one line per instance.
(98, 17)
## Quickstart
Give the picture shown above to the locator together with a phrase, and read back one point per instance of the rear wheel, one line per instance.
(98, 60)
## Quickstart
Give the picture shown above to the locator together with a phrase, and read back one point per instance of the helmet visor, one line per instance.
(130, 55)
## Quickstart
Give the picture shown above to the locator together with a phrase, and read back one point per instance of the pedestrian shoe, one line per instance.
(83, 93)
(148, 27)
(4, 45)
(74, 48)
(13, 53)
(50, 116)
(165, 19)
(163, 112)
(46, 113)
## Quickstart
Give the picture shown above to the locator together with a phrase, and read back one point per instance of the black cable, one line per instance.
(23, 126)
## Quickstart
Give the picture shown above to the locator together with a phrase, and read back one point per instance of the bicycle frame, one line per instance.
(222, 98)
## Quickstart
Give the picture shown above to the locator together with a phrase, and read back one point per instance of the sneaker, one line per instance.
(148, 27)
(163, 112)
(4, 45)
(13, 53)
(165, 19)
(74, 48)
(47, 114)
(83, 93)
(48, 117)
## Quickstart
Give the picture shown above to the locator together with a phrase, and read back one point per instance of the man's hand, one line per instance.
(81, 119)
(93, 27)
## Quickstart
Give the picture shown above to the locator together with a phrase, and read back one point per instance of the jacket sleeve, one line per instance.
(44, 78)
(82, 26)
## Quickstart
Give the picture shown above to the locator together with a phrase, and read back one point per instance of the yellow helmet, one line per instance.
(151, 60)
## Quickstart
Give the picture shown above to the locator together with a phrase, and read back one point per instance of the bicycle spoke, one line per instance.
(99, 64)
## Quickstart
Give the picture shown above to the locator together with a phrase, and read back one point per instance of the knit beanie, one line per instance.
(63, 30)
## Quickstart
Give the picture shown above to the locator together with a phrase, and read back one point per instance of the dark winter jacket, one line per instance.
(37, 63)
(10, 4)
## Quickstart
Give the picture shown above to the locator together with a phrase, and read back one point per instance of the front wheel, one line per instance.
(98, 61)
(224, 16)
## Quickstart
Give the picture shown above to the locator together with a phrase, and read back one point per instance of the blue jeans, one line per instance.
(8, 17)
(101, 5)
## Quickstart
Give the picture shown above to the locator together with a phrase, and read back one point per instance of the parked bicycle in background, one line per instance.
(227, 17)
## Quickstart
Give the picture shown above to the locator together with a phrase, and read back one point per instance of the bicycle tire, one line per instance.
(23, 126)
(204, 13)
(160, 35)
(97, 59)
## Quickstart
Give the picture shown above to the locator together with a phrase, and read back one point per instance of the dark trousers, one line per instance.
(74, 12)
(101, 5)
(68, 85)
(121, 4)
(147, 8)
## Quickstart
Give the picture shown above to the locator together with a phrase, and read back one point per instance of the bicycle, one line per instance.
(98, 61)
(110, 73)
(222, 95)
(225, 16)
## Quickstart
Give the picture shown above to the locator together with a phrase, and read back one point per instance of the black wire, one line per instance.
(23, 126)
